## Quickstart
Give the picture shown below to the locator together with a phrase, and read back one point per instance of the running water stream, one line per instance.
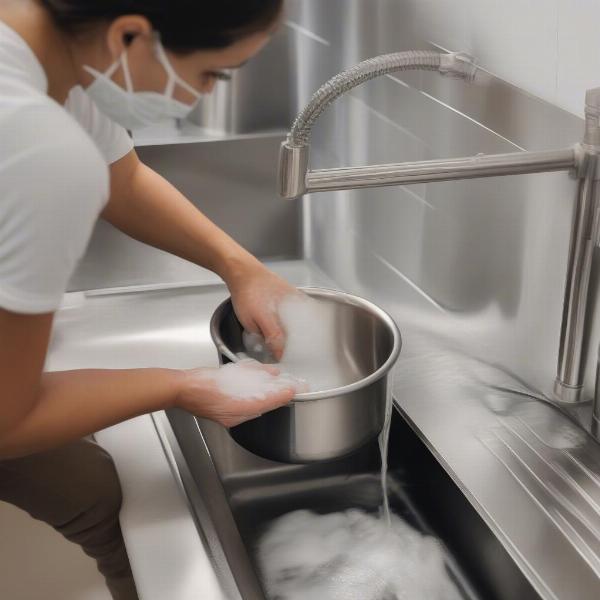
(384, 439)
(351, 554)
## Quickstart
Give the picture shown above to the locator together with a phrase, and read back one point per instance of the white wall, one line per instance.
(550, 48)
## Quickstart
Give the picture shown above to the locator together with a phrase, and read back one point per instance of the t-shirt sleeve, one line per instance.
(53, 185)
(112, 140)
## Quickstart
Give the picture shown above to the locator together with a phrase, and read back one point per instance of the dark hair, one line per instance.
(184, 25)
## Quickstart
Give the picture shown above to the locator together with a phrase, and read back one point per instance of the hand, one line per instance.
(236, 393)
(256, 293)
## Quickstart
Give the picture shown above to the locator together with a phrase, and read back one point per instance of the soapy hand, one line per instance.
(256, 294)
(236, 393)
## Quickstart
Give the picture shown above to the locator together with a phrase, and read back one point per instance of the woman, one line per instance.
(73, 75)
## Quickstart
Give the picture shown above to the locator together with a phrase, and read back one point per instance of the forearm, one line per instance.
(148, 208)
(73, 404)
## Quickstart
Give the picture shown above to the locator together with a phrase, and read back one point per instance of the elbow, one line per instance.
(16, 441)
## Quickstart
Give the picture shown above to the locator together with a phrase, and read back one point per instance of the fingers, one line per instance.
(273, 400)
(273, 333)
(257, 408)
(248, 323)
(271, 369)
(251, 363)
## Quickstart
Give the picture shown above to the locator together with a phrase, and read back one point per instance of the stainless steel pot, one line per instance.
(328, 424)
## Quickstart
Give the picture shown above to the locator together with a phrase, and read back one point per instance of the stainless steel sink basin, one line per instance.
(498, 476)
(243, 493)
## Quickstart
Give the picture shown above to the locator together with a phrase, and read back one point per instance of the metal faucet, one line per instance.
(581, 160)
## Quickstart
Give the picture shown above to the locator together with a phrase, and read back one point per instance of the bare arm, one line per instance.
(40, 411)
(43, 410)
(148, 208)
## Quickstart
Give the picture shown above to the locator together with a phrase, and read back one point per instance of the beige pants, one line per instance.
(76, 490)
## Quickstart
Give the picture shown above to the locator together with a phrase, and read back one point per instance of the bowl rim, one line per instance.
(327, 293)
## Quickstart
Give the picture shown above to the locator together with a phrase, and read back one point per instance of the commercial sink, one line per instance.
(242, 493)
(508, 484)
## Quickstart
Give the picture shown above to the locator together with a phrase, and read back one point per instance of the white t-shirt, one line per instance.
(54, 179)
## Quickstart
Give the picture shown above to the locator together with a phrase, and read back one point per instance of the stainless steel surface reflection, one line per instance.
(509, 484)
(596, 403)
(242, 493)
(241, 106)
(323, 425)
(493, 251)
(232, 182)
(295, 179)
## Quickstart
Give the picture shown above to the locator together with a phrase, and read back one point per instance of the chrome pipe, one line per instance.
(569, 380)
(293, 159)
(568, 385)
(514, 163)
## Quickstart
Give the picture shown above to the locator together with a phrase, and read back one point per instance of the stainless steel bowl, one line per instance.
(332, 423)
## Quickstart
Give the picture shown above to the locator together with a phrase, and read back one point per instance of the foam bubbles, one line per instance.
(312, 348)
(351, 555)
(247, 380)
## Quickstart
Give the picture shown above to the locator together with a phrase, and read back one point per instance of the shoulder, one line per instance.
(41, 141)
(111, 139)
(53, 185)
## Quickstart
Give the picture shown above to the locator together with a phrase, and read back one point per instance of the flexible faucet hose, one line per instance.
(354, 76)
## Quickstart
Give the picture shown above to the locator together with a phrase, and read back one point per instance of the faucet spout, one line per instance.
(293, 162)
(455, 65)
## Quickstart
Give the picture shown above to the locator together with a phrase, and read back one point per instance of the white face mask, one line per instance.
(133, 109)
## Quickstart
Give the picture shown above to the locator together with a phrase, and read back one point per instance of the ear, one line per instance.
(122, 32)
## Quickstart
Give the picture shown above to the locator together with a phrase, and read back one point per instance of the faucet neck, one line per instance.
(459, 65)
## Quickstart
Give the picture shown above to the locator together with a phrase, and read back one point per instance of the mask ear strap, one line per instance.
(126, 73)
(113, 68)
(108, 73)
(173, 77)
(167, 66)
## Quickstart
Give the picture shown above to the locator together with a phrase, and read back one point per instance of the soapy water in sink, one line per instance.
(351, 555)
(348, 555)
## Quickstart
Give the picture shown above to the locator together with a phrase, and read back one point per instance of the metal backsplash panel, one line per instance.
(232, 182)
(479, 265)
(259, 97)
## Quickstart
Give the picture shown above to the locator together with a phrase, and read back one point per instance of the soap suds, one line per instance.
(256, 348)
(312, 347)
(248, 380)
(351, 555)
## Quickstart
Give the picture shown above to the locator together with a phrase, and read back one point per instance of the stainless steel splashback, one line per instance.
(259, 97)
(480, 264)
(232, 181)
